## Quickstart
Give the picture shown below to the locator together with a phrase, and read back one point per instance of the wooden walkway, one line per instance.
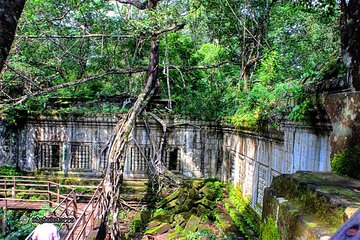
(63, 200)
(23, 205)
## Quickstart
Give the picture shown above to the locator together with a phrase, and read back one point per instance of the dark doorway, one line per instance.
(55, 156)
(173, 159)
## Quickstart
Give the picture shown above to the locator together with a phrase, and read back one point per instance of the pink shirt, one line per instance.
(46, 231)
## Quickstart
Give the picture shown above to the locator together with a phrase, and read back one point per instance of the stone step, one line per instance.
(131, 205)
(326, 195)
(293, 222)
(137, 196)
(135, 182)
(134, 189)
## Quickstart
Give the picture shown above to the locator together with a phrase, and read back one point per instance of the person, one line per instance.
(46, 231)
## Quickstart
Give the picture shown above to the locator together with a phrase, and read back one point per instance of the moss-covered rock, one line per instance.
(153, 224)
(165, 217)
(197, 184)
(137, 222)
(192, 224)
(208, 191)
(180, 220)
(162, 228)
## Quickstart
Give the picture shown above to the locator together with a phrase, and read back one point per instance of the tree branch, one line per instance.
(109, 72)
(136, 3)
(68, 84)
(75, 36)
(149, 4)
(174, 27)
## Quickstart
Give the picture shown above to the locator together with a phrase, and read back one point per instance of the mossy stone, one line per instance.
(137, 222)
(171, 204)
(206, 203)
(208, 191)
(192, 224)
(182, 197)
(180, 220)
(153, 224)
(162, 217)
(197, 184)
(162, 228)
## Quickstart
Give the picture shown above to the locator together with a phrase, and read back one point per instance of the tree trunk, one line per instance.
(350, 39)
(118, 145)
(10, 11)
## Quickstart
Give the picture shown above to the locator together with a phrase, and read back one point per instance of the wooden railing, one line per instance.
(85, 223)
(64, 205)
(62, 211)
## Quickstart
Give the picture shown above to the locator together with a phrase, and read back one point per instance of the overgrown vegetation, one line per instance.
(9, 171)
(345, 161)
(269, 230)
(240, 210)
(189, 212)
(17, 229)
(274, 49)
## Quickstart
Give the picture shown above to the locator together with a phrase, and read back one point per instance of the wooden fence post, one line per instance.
(92, 216)
(4, 222)
(83, 224)
(75, 204)
(13, 192)
(57, 193)
(5, 189)
(49, 195)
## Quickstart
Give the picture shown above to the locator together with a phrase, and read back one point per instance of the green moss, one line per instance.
(345, 161)
(269, 230)
(250, 218)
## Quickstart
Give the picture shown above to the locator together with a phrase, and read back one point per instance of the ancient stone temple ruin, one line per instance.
(195, 149)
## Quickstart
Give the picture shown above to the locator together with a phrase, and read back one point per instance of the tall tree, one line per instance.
(350, 39)
(118, 145)
(10, 11)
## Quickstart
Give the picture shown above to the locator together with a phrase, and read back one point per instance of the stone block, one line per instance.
(162, 228)
(192, 224)
(153, 224)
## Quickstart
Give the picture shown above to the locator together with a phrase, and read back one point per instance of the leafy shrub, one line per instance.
(9, 171)
(204, 234)
(269, 230)
(346, 162)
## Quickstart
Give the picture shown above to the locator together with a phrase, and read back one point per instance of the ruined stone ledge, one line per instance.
(311, 205)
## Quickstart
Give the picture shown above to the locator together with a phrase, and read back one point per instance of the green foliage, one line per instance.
(245, 218)
(302, 49)
(9, 171)
(204, 234)
(345, 161)
(299, 46)
(16, 229)
(269, 230)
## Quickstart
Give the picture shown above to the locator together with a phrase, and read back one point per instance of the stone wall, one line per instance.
(74, 146)
(251, 160)
(8, 146)
(68, 145)
(194, 148)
